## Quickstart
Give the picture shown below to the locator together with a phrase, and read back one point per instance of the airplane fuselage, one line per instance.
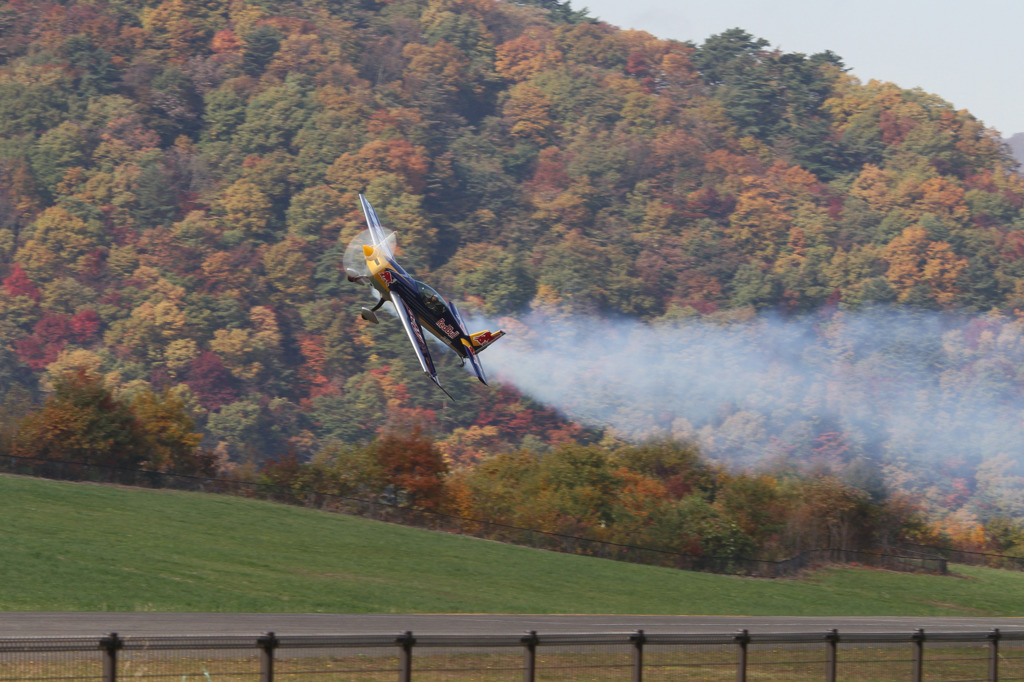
(390, 279)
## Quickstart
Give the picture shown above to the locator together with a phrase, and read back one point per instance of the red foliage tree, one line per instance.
(414, 465)
(85, 324)
(53, 328)
(18, 284)
(36, 354)
(211, 381)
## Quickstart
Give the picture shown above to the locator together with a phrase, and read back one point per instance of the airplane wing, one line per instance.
(419, 342)
(380, 238)
(468, 345)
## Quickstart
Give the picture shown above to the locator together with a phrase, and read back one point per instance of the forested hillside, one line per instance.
(179, 180)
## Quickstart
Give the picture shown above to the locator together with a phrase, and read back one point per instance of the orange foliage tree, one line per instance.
(414, 465)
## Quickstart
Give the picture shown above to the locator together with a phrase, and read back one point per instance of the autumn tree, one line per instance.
(414, 466)
(918, 264)
(168, 434)
(82, 422)
(829, 514)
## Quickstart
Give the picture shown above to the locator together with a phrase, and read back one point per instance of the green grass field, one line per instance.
(83, 547)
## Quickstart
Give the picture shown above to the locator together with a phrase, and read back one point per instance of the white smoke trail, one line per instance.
(899, 388)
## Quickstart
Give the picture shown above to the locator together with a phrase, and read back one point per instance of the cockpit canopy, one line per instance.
(431, 299)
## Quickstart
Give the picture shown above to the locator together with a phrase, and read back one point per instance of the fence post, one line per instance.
(638, 640)
(742, 640)
(407, 642)
(110, 645)
(529, 656)
(993, 655)
(267, 644)
(918, 639)
(831, 658)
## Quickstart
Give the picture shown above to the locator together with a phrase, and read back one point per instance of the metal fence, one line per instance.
(862, 657)
(908, 561)
(957, 556)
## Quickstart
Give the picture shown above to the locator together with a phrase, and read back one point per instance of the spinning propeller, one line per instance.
(354, 260)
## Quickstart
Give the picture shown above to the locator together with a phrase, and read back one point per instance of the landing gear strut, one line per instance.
(369, 314)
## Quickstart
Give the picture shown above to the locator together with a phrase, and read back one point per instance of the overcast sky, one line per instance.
(970, 53)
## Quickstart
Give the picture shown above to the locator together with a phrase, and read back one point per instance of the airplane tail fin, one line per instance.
(485, 338)
(480, 340)
(474, 343)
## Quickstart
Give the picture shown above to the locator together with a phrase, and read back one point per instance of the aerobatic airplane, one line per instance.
(370, 259)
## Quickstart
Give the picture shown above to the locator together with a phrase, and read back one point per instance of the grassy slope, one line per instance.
(81, 547)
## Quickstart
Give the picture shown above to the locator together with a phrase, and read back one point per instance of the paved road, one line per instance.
(150, 624)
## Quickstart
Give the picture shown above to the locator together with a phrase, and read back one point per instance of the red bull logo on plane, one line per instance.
(448, 329)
